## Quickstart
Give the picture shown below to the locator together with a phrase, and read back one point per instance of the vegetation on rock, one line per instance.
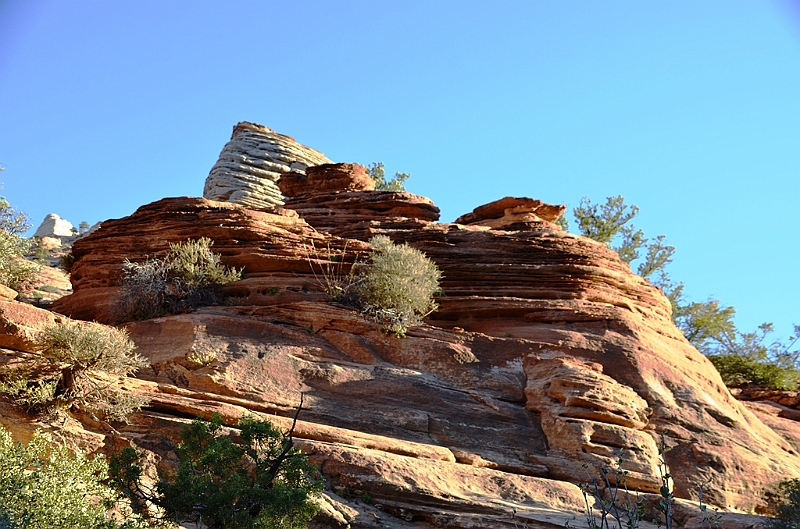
(189, 276)
(46, 485)
(15, 271)
(257, 479)
(398, 284)
(786, 505)
(80, 352)
(378, 174)
(742, 358)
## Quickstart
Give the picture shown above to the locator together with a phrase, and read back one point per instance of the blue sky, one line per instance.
(689, 109)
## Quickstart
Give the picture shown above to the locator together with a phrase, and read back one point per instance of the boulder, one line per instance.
(326, 178)
(251, 163)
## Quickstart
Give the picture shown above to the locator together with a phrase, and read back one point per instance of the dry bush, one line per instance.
(398, 284)
(189, 276)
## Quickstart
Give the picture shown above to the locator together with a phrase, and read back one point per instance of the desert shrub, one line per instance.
(66, 261)
(189, 276)
(45, 485)
(398, 284)
(15, 271)
(786, 505)
(740, 370)
(78, 352)
(337, 278)
(256, 480)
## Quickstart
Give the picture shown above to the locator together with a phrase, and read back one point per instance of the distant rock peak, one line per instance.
(55, 226)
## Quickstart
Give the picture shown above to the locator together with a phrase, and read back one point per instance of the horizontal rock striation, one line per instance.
(546, 354)
(251, 163)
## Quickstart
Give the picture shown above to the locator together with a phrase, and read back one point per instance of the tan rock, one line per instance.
(7, 293)
(251, 163)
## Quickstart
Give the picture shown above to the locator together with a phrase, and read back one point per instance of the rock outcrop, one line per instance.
(546, 354)
(54, 226)
(251, 163)
(546, 359)
(512, 213)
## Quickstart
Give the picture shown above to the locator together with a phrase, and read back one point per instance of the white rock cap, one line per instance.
(54, 226)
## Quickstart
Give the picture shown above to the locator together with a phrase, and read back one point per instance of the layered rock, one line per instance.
(340, 198)
(513, 213)
(330, 177)
(251, 163)
(546, 354)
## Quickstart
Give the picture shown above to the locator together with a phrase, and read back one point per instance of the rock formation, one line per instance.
(54, 226)
(546, 358)
(251, 163)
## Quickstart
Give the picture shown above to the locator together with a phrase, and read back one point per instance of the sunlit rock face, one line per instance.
(251, 163)
(546, 359)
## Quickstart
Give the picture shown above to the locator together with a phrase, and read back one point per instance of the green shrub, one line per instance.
(786, 505)
(256, 480)
(378, 175)
(398, 284)
(44, 485)
(189, 276)
(76, 352)
(739, 370)
(15, 271)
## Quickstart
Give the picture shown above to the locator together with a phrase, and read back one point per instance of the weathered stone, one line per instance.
(343, 212)
(251, 163)
(54, 226)
(326, 178)
(546, 352)
(513, 213)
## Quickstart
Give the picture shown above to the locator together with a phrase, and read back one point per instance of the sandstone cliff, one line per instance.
(547, 354)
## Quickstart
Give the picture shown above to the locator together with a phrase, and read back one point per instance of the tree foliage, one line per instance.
(610, 223)
(256, 479)
(786, 505)
(43, 485)
(742, 358)
(15, 270)
(378, 174)
(189, 276)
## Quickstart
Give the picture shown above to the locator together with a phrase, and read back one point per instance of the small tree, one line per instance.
(398, 284)
(257, 479)
(83, 227)
(79, 351)
(15, 271)
(189, 276)
(741, 358)
(46, 485)
(378, 175)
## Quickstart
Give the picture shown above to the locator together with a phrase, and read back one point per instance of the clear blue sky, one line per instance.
(691, 109)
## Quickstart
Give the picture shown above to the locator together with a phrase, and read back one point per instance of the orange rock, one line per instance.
(546, 353)
(510, 212)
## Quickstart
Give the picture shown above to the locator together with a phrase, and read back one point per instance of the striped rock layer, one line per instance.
(251, 163)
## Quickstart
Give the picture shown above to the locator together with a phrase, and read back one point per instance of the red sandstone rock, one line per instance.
(546, 352)
(327, 178)
(511, 211)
